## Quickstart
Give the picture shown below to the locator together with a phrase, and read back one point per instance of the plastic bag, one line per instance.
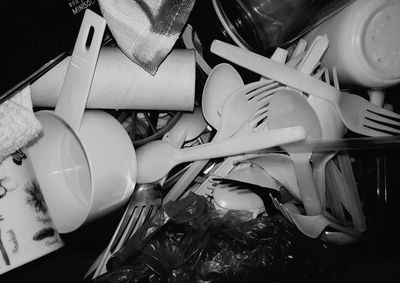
(190, 241)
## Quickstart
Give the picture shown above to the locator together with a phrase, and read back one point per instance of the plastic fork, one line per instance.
(358, 114)
(143, 204)
(255, 124)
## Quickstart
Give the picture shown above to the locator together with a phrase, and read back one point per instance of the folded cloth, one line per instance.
(146, 30)
(18, 124)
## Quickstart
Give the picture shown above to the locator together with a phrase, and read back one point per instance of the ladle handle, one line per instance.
(78, 79)
(245, 144)
(275, 71)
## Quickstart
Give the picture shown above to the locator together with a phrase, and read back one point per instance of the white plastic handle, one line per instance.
(314, 54)
(78, 80)
(239, 145)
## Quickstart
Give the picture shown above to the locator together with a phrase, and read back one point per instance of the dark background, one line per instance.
(33, 34)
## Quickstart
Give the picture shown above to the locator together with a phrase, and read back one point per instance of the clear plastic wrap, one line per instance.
(190, 241)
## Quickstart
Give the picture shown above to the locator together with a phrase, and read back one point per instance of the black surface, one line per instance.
(33, 34)
(366, 262)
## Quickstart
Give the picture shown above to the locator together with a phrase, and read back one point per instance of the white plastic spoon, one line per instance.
(157, 158)
(221, 82)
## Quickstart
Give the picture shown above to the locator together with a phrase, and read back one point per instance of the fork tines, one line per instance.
(382, 120)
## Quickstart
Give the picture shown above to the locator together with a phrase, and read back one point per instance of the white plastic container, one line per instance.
(364, 43)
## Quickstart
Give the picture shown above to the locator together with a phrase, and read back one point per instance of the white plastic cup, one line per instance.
(364, 43)
(119, 83)
(27, 231)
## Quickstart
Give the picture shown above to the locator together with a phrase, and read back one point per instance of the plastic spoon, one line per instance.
(222, 81)
(156, 159)
(288, 108)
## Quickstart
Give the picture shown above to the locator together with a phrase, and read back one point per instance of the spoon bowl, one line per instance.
(221, 82)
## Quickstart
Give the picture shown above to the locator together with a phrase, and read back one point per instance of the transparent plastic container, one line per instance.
(263, 25)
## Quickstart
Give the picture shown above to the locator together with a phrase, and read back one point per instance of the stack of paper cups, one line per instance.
(364, 43)
(119, 83)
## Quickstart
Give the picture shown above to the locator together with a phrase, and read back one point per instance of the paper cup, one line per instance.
(26, 228)
(119, 83)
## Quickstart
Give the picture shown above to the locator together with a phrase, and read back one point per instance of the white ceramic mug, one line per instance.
(364, 43)
(119, 83)
(26, 228)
